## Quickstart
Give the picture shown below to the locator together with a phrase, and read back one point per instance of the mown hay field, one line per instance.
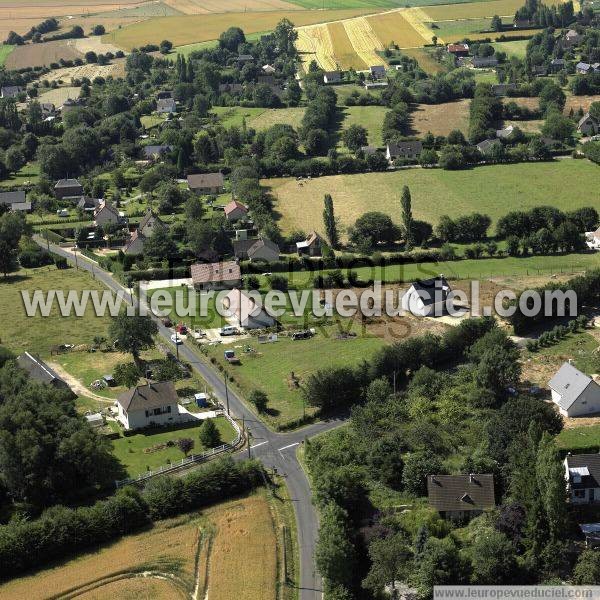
(141, 588)
(33, 55)
(196, 7)
(493, 190)
(364, 41)
(59, 95)
(426, 61)
(170, 547)
(187, 29)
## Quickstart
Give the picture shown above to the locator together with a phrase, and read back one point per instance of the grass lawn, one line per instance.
(370, 117)
(230, 116)
(425, 59)
(453, 30)
(30, 173)
(270, 367)
(582, 438)
(5, 50)
(440, 119)
(38, 334)
(275, 116)
(147, 450)
(151, 121)
(493, 190)
(60, 95)
(517, 48)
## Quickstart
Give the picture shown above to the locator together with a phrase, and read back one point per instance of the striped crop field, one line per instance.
(343, 49)
(364, 41)
(476, 10)
(402, 27)
(314, 43)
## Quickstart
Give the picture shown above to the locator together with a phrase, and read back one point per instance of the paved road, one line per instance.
(274, 450)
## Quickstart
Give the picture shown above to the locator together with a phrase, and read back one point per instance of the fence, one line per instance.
(188, 460)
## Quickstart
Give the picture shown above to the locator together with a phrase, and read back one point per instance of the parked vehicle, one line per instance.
(229, 330)
(302, 335)
(230, 357)
(176, 339)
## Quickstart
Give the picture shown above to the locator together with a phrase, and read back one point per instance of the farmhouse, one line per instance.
(332, 77)
(68, 188)
(265, 250)
(481, 62)
(377, 72)
(39, 371)
(461, 496)
(427, 297)
(375, 85)
(235, 211)
(243, 311)
(15, 200)
(164, 94)
(584, 68)
(154, 153)
(88, 204)
(166, 106)
(539, 70)
(521, 23)
(135, 244)
(311, 246)
(574, 393)
(403, 150)
(155, 403)
(269, 69)
(48, 110)
(557, 64)
(10, 91)
(206, 183)
(149, 223)
(458, 49)
(216, 276)
(588, 126)
(244, 59)
(505, 133)
(106, 214)
(582, 474)
(368, 150)
(487, 146)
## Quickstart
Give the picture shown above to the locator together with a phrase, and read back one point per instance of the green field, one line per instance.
(5, 50)
(493, 190)
(375, 4)
(370, 117)
(29, 174)
(38, 334)
(517, 48)
(586, 437)
(452, 30)
(138, 453)
(270, 366)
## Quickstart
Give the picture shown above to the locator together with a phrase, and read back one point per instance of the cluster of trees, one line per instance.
(12, 229)
(414, 419)
(485, 111)
(539, 14)
(34, 34)
(60, 532)
(465, 229)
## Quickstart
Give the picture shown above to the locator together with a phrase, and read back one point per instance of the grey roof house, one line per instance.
(68, 188)
(206, 183)
(39, 371)
(332, 77)
(575, 393)
(480, 62)
(166, 106)
(460, 496)
(410, 149)
(15, 200)
(10, 91)
(156, 152)
(582, 474)
(377, 71)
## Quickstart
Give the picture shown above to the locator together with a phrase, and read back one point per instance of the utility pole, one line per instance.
(47, 241)
(75, 253)
(226, 392)
(177, 345)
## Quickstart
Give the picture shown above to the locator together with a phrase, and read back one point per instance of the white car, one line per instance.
(176, 339)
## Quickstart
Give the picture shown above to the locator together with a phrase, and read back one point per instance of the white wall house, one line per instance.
(582, 473)
(427, 297)
(575, 393)
(148, 405)
(244, 312)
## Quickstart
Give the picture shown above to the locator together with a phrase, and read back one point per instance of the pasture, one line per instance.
(370, 117)
(425, 59)
(5, 50)
(475, 10)
(270, 367)
(59, 96)
(440, 119)
(38, 334)
(188, 29)
(566, 184)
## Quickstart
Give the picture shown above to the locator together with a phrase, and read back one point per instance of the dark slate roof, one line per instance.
(397, 148)
(433, 290)
(87, 203)
(587, 466)
(485, 61)
(570, 383)
(377, 70)
(558, 61)
(205, 180)
(17, 197)
(333, 75)
(151, 151)
(147, 218)
(231, 88)
(166, 105)
(241, 247)
(461, 492)
(262, 243)
(39, 370)
(10, 91)
(486, 145)
(67, 183)
(500, 89)
(245, 57)
(148, 396)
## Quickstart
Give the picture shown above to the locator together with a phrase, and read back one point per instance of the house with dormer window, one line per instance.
(461, 496)
(582, 473)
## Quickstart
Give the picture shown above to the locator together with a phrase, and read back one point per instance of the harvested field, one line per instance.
(290, 116)
(33, 55)
(197, 7)
(573, 102)
(60, 95)
(115, 69)
(315, 43)
(243, 561)
(169, 547)
(93, 44)
(198, 28)
(343, 50)
(141, 588)
(441, 119)
(394, 27)
(364, 41)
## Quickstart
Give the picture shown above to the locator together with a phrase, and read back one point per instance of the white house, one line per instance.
(244, 312)
(427, 297)
(582, 473)
(574, 392)
(151, 404)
